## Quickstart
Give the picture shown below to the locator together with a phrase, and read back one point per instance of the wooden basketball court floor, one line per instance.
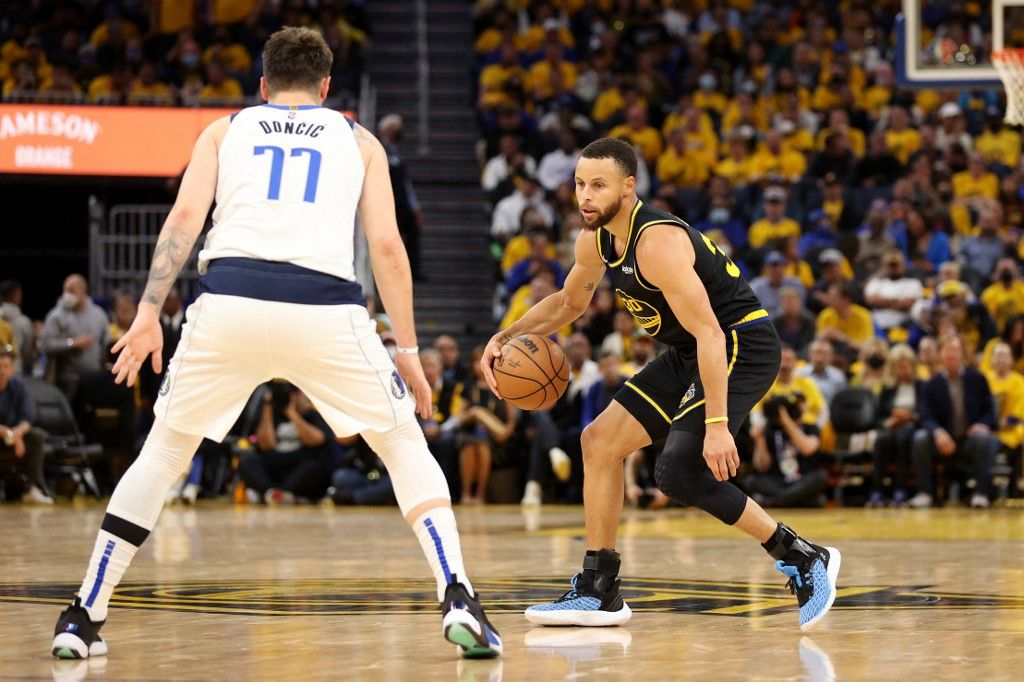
(224, 592)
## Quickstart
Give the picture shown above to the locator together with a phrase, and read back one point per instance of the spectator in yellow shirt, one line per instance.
(688, 116)
(902, 139)
(636, 130)
(1007, 388)
(61, 81)
(232, 55)
(114, 29)
(774, 226)
(736, 167)
(552, 76)
(845, 323)
(1013, 336)
(774, 160)
(613, 101)
(701, 140)
(148, 89)
(788, 382)
(1004, 298)
(117, 82)
(498, 81)
(708, 96)
(998, 144)
(678, 166)
(743, 110)
(219, 86)
(975, 182)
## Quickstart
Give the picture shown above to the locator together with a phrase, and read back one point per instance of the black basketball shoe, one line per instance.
(76, 636)
(466, 625)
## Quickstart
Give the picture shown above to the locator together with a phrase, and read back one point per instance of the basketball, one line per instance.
(532, 373)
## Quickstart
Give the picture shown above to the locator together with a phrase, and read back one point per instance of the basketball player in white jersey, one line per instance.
(279, 300)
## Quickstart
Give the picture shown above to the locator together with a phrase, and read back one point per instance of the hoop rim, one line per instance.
(1007, 54)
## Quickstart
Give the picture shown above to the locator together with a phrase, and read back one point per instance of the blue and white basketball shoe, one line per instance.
(466, 625)
(588, 603)
(812, 578)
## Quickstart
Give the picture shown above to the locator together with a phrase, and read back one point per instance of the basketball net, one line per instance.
(1010, 65)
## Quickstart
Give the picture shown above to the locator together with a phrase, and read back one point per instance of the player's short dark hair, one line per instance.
(610, 148)
(296, 59)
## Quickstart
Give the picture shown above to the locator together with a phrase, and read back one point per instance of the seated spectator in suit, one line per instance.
(898, 418)
(957, 423)
(294, 454)
(19, 442)
(786, 470)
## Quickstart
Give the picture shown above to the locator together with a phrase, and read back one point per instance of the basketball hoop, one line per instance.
(1010, 65)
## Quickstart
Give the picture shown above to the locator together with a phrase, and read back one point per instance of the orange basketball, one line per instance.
(532, 373)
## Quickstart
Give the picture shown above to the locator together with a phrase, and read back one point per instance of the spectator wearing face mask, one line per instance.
(75, 335)
(1004, 298)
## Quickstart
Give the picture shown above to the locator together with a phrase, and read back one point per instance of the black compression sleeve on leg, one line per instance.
(126, 530)
(683, 475)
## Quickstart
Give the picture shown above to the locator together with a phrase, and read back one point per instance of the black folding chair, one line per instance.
(853, 410)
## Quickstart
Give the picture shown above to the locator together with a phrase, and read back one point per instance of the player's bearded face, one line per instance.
(601, 190)
(594, 217)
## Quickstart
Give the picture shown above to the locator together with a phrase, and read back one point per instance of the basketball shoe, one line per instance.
(76, 636)
(466, 625)
(594, 599)
(812, 578)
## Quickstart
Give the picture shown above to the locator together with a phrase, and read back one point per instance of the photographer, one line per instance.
(294, 456)
(786, 473)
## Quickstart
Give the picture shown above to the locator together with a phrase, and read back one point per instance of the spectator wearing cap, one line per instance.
(638, 133)
(497, 177)
(774, 160)
(775, 225)
(505, 221)
(903, 140)
(793, 322)
(879, 167)
(968, 319)
(768, 286)
(21, 326)
(952, 128)
(1004, 298)
(999, 146)
(890, 293)
(832, 269)
(847, 325)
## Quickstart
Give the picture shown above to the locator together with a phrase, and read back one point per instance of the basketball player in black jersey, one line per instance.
(724, 355)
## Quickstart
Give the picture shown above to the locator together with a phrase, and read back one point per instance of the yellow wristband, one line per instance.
(715, 420)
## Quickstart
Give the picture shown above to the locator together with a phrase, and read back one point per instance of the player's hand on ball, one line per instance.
(412, 373)
(143, 338)
(720, 452)
(492, 353)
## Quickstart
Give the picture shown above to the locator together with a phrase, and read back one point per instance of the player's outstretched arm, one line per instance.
(390, 263)
(173, 247)
(558, 309)
(665, 255)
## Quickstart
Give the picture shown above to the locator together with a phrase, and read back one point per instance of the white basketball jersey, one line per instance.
(288, 188)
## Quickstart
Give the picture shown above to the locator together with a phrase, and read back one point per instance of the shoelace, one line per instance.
(796, 579)
(571, 594)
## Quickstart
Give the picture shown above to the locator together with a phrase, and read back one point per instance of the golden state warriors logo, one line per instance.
(645, 314)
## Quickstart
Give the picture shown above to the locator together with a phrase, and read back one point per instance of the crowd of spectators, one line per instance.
(164, 52)
(879, 226)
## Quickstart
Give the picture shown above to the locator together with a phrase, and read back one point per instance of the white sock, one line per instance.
(439, 539)
(132, 513)
(110, 559)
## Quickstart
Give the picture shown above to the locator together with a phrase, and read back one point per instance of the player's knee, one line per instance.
(599, 445)
(682, 474)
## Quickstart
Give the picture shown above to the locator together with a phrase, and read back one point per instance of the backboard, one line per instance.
(949, 43)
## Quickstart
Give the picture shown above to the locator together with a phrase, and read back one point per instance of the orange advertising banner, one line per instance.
(83, 140)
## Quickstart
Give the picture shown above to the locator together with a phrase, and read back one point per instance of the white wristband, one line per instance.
(407, 351)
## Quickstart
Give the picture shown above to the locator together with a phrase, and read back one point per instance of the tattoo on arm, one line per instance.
(172, 250)
(589, 286)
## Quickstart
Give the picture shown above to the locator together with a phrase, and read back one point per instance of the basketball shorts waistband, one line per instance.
(278, 281)
(756, 317)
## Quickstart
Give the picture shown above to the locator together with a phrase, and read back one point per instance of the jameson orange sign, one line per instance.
(74, 140)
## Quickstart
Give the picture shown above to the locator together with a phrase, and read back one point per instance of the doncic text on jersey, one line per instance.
(301, 128)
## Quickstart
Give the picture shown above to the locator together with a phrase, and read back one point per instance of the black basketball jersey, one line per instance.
(731, 297)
